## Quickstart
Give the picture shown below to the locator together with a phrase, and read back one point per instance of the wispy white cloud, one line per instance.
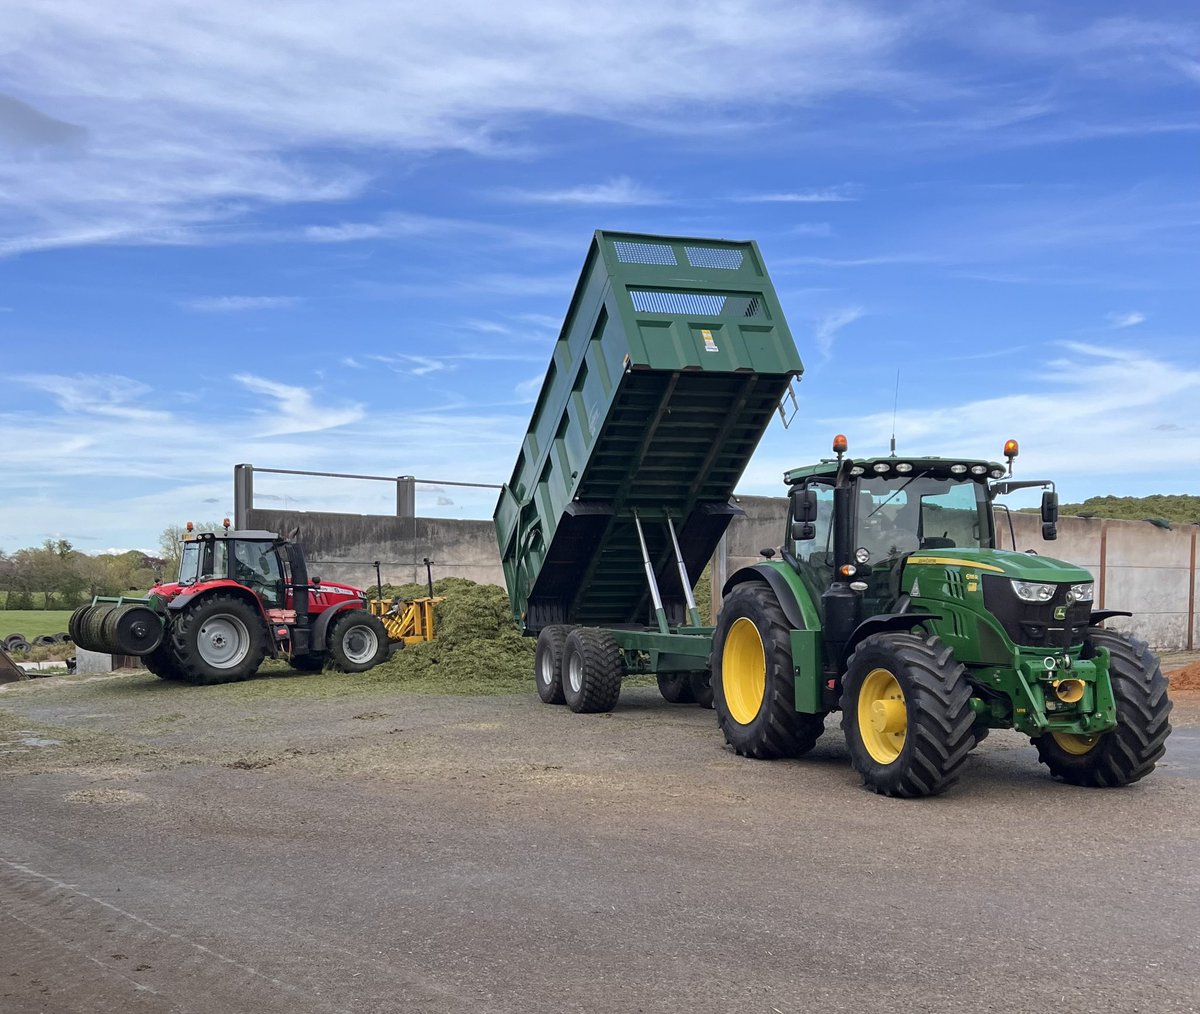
(619, 190)
(527, 390)
(238, 304)
(1130, 318)
(826, 195)
(294, 409)
(828, 326)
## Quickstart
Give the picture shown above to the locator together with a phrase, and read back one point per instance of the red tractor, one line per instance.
(240, 596)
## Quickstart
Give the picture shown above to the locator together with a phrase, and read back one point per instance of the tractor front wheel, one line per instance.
(358, 641)
(1130, 751)
(163, 663)
(219, 639)
(753, 680)
(676, 687)
(592, 670)
(548, 663)
(906, 713)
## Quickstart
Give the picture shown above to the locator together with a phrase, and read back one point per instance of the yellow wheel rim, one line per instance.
(743, 671)
(882, 716)
(1074, 743)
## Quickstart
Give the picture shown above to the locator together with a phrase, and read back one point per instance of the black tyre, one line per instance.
(219, 639)
(548, 663)
(702, 689)
(676, 687)
(906, 712)
(132, 629)
(1130, 751)
(93, 628)
(75, 625)
(592, 671)
(13, 645)
(15, 639)
(163, 663)
(43, 641)
(753, 680)
(308, 663)
(358, 641)
(62, 637)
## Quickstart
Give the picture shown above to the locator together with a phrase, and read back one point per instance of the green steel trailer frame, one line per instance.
(672, 360)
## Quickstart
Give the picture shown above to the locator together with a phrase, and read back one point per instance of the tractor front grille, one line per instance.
(1034, 624)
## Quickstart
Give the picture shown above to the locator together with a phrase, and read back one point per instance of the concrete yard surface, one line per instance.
(274, 847)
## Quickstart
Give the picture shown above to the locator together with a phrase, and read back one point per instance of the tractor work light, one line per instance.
(857, 470)
(840, 444)
(882, 466)
(1011, 449)
(1082, 592)
(904, 467)
(958, 469)
(997, 473)
(978, 470)
(1033, 591)
(862, 555)
(190, 527)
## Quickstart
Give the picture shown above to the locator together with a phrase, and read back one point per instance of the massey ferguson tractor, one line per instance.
(240, 596)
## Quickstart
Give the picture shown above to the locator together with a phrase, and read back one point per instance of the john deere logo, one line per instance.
(1060, 612)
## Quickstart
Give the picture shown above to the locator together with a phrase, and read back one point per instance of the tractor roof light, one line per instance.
(904, 467)
(840, 444)
(958, 469)
(996, 473)
(857, 470)
(1011, 449)
(881, 467)
(225, 522)
(980, 470)
(190, 527)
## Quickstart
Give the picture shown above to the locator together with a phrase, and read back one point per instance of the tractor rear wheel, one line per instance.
(163, 663)
(676, 688)
(548, 663)
(753, 679)
(906, 712)
(219, 639)
(358, 641)
(1130, 751)
(592, 671)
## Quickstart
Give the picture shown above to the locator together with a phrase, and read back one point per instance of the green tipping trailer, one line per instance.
(890, 598)
(673, 358)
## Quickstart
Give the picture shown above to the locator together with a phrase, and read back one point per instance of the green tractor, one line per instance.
(893, 603)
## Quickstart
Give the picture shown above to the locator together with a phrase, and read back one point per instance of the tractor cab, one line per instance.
(251, 558)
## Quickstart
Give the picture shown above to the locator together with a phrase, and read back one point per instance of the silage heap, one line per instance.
(477, 648)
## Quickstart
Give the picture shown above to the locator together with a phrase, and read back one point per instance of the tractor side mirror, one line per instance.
(804, 505)
(1049, 515)
(803, 531)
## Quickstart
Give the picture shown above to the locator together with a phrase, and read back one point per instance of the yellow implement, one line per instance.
(409, 621)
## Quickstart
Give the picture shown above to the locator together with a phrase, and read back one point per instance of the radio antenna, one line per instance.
(895, 406)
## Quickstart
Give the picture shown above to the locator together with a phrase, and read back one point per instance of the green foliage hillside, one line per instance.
(1181, 508)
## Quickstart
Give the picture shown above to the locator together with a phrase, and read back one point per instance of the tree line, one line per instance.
(56, 575)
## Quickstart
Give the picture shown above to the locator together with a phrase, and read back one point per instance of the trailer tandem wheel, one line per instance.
(548, 663)
(592, 671)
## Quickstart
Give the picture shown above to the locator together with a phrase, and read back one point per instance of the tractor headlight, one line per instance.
(1082, 592)
(1034, 591)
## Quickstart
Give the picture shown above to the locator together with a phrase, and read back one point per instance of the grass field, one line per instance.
(33, 622)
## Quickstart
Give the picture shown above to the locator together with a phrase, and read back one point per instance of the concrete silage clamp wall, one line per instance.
(343, 547)
(1138, 566)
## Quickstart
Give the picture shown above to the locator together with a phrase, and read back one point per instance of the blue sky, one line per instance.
(345, 240)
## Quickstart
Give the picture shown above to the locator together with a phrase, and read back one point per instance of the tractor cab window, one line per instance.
(897, 516)
(256, 565)
(202, 560)
(189, 563)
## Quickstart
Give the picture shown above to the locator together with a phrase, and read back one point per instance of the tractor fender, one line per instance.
(1100, 615)
(779, 585)
(320, 627)
(180, 602)
(881, 623)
